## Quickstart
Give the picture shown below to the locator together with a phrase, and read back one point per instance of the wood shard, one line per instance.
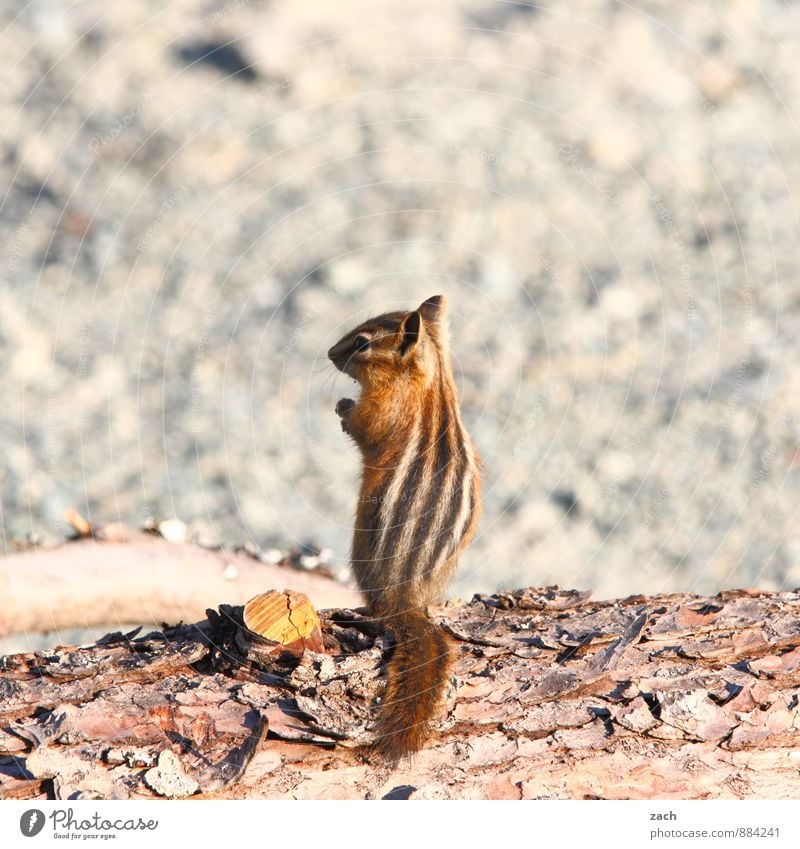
(77, 522)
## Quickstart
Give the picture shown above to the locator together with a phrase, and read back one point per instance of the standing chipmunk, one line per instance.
(418, 505)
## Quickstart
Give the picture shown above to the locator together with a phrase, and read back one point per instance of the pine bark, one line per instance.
(552, 696)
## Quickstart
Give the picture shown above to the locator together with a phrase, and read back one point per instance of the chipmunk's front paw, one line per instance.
(343, 407)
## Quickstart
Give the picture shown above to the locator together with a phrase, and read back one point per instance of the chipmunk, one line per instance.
(418, 505)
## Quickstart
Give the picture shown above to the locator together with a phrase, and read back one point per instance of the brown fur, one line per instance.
(417, 674)
(419, 501)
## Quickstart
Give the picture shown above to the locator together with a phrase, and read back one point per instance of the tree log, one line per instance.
(128, 576)
(552, 696)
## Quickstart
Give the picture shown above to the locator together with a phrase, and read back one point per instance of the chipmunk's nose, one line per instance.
(337, 352)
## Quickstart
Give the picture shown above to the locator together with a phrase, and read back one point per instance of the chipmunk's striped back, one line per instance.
(419, 500)
(427, 494)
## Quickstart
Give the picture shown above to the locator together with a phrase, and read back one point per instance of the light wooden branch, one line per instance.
(128, 576)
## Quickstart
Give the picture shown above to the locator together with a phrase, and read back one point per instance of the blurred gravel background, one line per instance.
(199, 198)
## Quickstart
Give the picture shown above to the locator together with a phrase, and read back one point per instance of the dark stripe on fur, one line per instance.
(417, 566)
(398, 515)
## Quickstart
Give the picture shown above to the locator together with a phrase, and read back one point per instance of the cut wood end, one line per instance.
(287, 618)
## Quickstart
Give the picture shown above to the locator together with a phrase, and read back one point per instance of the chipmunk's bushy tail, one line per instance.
(417, 674)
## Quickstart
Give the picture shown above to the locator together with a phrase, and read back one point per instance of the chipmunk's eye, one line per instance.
(361, 343)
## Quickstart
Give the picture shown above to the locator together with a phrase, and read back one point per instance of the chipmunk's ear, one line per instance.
(434, 309)
(411, 332)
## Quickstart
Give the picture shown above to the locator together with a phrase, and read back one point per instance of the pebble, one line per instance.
(173, 530)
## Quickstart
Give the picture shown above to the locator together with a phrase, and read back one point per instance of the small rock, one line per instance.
(717, 79)
(620, 302)
(33, 356)
(309, 561)
(173, 530)
(614, 146)
(273, 556)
